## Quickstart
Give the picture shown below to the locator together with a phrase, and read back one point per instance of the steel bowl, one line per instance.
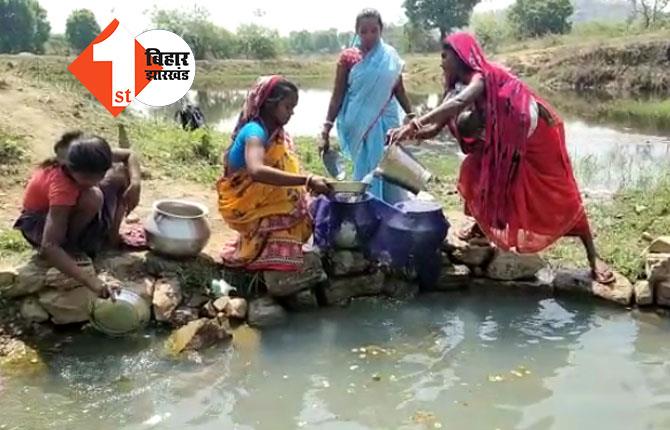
(129, 313)
(177, 228)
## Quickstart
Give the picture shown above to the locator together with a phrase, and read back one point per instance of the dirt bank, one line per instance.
(633, 66)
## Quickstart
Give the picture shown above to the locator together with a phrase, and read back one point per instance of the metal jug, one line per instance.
(399, 167)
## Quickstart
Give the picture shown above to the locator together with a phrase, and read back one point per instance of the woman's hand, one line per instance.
(131, 197)
(324, 142)
(408, 118)
(403, 133)
(103, 289)
(318, 185)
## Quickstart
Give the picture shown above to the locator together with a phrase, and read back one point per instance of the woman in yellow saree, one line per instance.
(262, 193)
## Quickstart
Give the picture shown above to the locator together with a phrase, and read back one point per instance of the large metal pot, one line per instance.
(177, 228)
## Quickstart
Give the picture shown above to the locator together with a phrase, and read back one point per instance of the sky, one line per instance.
(284, 16)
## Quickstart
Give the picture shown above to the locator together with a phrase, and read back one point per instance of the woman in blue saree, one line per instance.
(366, 98)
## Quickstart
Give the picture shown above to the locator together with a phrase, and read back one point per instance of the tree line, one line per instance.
(24, 27)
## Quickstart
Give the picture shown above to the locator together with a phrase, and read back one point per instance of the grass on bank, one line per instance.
(619, 225)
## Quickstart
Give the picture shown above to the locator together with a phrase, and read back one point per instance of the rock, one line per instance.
(167, 297)
(237, 308)
(29, 279)
(644, 295)
(67, 306)
(533, 286)
(208, 311)
(510, 266)
(400, 289)
(197, 300)
(662, 292)
(302, 301)
(265, 312)
(58, 280)
(658, 271)
(657, 266)
(571, 281)
(660, 245)
(221, 303)
(621, 291)
(183, 315)
(198, 335)
(345, 262)
(232, 307)
(471, 255)
(281, 284)
(647, 236)
(340, 290)
(20, 359)
(126, 266)
(7, 278)
(32, 311)
(453, 277)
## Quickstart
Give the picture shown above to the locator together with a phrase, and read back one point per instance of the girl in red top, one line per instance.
(75, 202)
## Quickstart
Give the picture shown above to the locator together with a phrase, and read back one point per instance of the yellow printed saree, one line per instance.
(272, 221)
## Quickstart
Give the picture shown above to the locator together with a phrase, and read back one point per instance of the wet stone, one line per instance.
(282, 284)
(265, 312)
(510, 266)
(341, 290)
(302, 301)
(167, 297)
(644, 295)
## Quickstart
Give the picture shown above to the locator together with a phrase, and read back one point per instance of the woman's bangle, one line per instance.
(328, 124)
(308, 180)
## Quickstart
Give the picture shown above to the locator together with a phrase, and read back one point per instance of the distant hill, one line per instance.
(588, 10)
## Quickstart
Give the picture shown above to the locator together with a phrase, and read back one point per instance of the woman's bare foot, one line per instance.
(469, 233)
(602, 273)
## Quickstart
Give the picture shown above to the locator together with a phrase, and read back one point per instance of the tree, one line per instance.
(533, 18)
(204, 37)
(650, 11)
(23, 26)
(444, 15)
(345, 38)
(257, 42)
(326, 42)
(418, 39)
(491, 29)
(300, 42)
(81, 28)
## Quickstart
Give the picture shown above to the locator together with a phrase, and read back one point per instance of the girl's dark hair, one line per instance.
(60, 148)
(280, 91)
(89, 154)
(369, 13)
(81, 153)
